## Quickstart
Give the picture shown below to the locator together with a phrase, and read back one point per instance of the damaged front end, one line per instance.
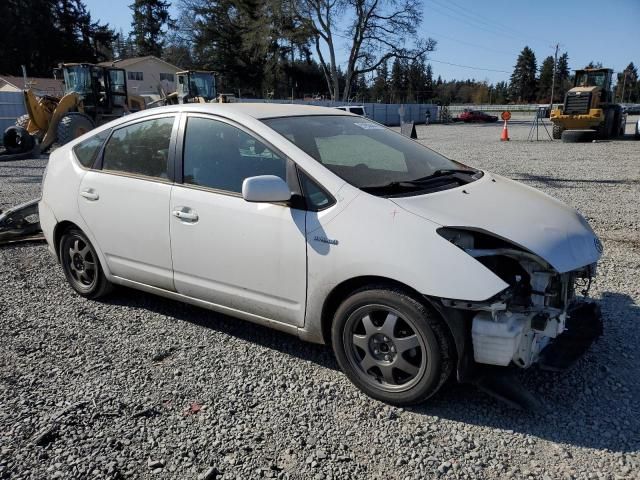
(542, 318)
(21, 223)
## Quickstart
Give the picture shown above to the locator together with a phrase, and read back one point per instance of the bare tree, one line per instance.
(379, 30)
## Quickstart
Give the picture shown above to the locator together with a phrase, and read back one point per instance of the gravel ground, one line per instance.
(141, 387)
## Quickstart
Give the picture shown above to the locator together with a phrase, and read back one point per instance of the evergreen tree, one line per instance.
(545, 80)
(428, 83)
(629, 85)
(149, 19)
(563, 77)
(523, 79)
(53, 31)
(380, 88)
(398, 81)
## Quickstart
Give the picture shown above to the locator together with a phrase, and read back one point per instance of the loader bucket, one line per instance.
(20, 223)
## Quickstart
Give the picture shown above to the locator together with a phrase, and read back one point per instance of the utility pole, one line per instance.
(553, 79)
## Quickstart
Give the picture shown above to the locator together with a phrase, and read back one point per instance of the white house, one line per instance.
(146, 75)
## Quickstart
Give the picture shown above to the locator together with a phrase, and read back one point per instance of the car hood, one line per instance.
(515, 212)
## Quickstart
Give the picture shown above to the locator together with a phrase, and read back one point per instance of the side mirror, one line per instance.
(265, 188)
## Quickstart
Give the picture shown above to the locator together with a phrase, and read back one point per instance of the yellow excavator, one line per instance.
(588, 110)
(93, 96)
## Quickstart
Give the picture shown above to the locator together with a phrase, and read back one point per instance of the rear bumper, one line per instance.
(48, 223)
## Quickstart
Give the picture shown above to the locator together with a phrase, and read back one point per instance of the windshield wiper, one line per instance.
(443, 172)
(423, 183)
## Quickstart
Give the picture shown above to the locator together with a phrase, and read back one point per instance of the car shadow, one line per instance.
(575, 409)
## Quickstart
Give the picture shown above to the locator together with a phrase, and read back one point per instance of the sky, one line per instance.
(488, 34)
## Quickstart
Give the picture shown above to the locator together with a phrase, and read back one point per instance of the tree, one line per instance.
(380, 87)
(563, 76)
(593, 64)
(545, 79)
(398, 81)
(377, 31)
(523, 79)
(54, 31)
(628, 87)
(149, 19)
(428, 82)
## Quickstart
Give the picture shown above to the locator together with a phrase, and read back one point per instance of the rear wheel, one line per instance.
(391, 346)
(557, 132)
(72, 125)
(81, 265)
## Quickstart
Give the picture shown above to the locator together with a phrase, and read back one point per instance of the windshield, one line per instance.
(590, 79)
(77, 79)
(364, 153)
(202, 85)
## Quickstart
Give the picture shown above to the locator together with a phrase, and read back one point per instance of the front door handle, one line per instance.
(185, 214)
(90, 194)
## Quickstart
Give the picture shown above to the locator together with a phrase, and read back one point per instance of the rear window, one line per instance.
(87, 150)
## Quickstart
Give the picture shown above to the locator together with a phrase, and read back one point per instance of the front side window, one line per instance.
(220, 156)
(140, 149)
(371, 156)
(87, 150)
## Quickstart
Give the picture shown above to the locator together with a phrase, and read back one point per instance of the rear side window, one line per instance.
(140, 149)
(87, 150)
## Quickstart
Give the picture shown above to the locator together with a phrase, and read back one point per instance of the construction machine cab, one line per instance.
(101, 91)
(196, 86)
(600, 78)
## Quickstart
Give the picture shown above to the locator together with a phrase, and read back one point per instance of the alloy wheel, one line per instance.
(385, 348)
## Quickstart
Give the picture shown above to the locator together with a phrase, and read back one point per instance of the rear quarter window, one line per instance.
(87, 150)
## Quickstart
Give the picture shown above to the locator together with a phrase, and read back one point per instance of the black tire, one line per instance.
(607, 129)
(23, 121)
(72, 125)
(556, 132)
(81, 265)
(17, 140)
(576, 136)
(401, 355)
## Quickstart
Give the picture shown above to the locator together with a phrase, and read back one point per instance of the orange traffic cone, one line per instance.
(505, 133)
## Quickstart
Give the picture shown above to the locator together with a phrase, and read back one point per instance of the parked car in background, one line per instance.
(332, 227)
(355, 109)
(470, 116)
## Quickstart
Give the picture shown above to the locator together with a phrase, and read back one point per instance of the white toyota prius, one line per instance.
(331, 227)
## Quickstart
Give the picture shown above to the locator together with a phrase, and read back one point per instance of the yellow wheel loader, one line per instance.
(93, 96)
(588, 110)
(193, 86)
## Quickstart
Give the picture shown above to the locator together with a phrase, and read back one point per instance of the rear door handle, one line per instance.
(185, 214)
(90, 194)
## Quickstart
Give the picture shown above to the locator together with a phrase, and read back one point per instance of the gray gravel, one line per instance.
(141, 387)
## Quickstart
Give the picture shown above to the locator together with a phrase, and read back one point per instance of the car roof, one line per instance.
(255, 110)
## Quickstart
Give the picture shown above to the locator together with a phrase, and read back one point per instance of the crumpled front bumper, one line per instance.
(21, 223)
(583, 326)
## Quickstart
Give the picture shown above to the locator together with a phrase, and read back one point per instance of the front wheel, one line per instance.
(391, 346)
(81, 265)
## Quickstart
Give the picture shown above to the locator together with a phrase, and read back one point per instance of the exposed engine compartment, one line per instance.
(517, 324)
